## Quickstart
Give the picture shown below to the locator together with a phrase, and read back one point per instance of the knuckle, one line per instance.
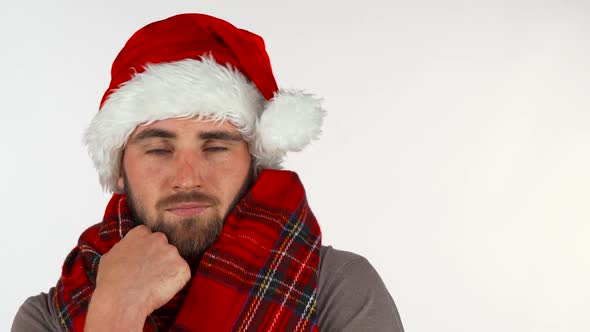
(172, 251)
(184, 271)
(140, 230)
(143, 229)
(159, 236)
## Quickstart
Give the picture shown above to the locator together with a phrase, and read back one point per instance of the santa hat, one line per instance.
(197, 65)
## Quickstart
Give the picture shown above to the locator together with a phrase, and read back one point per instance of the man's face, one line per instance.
(183, 177)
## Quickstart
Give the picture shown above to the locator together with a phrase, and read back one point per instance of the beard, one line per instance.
(192, 236)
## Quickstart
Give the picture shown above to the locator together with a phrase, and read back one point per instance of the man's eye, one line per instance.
(158, 151)
(215, 149)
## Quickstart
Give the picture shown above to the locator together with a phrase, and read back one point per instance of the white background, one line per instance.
(454, 156)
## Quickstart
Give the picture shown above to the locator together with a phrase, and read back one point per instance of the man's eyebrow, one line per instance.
(220, 135)
(151, 133)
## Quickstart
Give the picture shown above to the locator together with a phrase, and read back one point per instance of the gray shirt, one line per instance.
(351, 297)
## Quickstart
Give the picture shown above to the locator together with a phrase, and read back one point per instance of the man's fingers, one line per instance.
(159, 237)
(139, 231)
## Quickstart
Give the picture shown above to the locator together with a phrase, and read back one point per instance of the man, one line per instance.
(203, 232)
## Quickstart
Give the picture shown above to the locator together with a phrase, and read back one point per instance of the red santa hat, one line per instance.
(197, 65)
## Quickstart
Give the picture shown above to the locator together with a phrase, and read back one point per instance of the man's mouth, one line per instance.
(188, 209)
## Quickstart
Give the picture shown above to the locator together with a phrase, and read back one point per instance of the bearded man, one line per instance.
(203, 231)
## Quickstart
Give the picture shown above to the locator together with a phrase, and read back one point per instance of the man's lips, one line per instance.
(187, 209)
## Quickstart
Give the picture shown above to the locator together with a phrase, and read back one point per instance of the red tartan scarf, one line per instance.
(260, 275)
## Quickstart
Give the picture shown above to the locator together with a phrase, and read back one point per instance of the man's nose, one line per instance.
(188, 171)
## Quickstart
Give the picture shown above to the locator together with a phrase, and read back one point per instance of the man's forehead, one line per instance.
(194, 124)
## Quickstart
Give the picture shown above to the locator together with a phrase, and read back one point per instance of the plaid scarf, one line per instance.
(260, 275)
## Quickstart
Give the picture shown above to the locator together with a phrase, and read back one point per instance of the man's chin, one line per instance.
(190, 235)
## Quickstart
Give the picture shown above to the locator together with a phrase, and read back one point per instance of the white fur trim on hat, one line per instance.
(290, 121)
(188, 88)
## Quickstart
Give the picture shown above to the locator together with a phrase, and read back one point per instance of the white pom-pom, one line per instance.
(290, 121)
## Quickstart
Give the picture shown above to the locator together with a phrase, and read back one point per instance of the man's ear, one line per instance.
(121, 179)
(120, 182)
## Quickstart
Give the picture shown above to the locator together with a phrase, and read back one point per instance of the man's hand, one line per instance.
(138, 275)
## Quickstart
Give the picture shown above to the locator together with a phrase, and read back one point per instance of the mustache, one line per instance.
(187, 197)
